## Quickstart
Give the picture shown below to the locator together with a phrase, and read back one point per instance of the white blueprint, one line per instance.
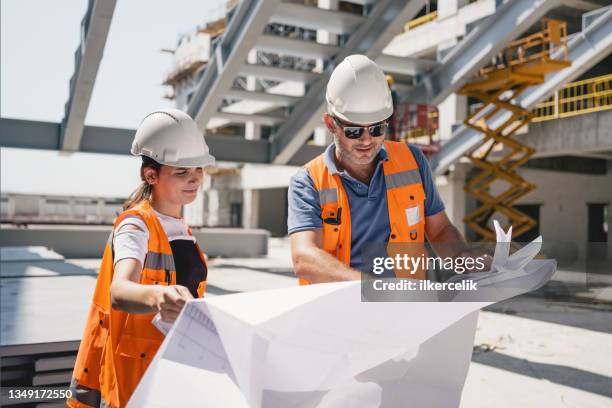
(321, 346)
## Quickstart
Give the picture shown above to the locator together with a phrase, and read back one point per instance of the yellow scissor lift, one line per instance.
(523, 63)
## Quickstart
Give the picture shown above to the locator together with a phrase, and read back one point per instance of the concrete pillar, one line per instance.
(451, 192)
(11, 208)
(448, 8)
(252, 131)
(609, 225)
(250, 208)
(324, 36)
(100, 210)
(322, 136)
(194, 213)
(42, 207)
(212, 205)
(451, 111)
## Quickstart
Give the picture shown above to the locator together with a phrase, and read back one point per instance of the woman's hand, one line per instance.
(129, 295)
(170, 300)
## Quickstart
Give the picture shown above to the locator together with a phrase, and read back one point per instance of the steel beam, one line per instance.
(581, 5)
(259, 118)
(586, 49)
(278, 74)
(405, 65)
(277, 99)
(30, 134)
(298, 48)
(95, 26)
(230, 55)
(385, 20)
(45, 135)
(315, 18)
(478, 48)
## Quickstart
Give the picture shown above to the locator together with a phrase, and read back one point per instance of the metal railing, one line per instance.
(535, 48)
(420, 20)
(577, 98)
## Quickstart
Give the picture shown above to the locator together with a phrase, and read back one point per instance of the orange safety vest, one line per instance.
(117, 347)
(405, 202)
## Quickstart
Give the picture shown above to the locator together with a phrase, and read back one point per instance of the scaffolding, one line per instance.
(523, 63)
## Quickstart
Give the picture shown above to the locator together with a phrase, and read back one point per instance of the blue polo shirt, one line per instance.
(368, 203)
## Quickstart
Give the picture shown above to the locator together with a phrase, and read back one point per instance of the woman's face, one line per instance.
(177, 185)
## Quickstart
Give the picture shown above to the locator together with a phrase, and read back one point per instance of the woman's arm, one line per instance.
(128, 295)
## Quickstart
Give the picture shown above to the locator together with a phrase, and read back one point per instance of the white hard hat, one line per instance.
(169, 136)
(357, 92)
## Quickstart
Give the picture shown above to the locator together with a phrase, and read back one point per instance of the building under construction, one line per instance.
(509, 100)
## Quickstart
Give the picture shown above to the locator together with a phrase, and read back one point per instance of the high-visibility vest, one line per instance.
(405, 202)
(117, 347)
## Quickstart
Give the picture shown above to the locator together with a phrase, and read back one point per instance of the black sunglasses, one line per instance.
(355, 132)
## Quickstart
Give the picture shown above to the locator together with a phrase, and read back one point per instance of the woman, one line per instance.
(151, 263)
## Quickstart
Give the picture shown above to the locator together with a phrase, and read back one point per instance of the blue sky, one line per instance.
(38, 40)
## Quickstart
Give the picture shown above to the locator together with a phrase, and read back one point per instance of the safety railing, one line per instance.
(577, 98)
(420, 21)
(535, 48)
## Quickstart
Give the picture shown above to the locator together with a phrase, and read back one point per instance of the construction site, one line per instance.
(509, 101)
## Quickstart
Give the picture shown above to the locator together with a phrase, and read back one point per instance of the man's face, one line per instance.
(358, 151)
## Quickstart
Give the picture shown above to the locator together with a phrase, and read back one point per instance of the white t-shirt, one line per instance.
(134, 243)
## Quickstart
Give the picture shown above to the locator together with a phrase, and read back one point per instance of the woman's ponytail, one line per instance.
(143, 192)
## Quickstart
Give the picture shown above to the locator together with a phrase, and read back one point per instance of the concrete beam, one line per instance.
(79, 242)
(94, 32)
(569, 164)
(385, 20)
(586, 49)
(426, 38)
(590, 133)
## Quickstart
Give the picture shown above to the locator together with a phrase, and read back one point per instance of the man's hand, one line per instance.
(485, 259)
(312, 263)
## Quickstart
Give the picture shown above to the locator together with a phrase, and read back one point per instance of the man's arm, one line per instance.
(447, 241)
(444, 236)
(312, 263)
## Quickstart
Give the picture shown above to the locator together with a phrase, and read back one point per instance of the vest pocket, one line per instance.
(133, 356)
(156, 277)
(89, 359)
(137, 347)
(413, 215)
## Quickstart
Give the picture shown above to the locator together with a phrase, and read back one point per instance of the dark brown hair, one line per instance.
(143, 192)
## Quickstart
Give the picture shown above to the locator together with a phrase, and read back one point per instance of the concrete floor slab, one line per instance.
(548, 348)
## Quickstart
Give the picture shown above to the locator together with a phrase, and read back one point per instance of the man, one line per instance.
(362, 189)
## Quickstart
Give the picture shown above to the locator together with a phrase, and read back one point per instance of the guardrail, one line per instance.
(420, 20)
(577, 98)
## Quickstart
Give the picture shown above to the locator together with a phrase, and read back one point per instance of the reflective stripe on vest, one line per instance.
(328, 195)
(405, 199)
(158, 260)
(117, 347)
(403, 178)
(85, 395)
